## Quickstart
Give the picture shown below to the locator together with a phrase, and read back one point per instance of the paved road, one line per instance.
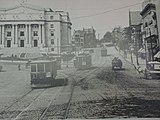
(18, 100)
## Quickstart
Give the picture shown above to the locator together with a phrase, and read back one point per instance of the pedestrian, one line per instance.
(125, 54)
(12, 57)
(26, 65)
(19, 66)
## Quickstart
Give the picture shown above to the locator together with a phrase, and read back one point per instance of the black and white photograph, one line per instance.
(79, 59)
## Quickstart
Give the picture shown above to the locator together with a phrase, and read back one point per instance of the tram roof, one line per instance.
(42, 61)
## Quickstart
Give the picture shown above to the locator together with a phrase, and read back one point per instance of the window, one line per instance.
(155, 26)
(35, 26)
(52, 26)
(8, 26)
(76, 35)
(8, 33)
(51, 17)
(21, 26)
(52, 33)
(150, 22)
(47, 67)
(146, 24)
(40, 67)
(33, 68)
(52, 41)
(22, 33)
(35, 33)
(35, 44)
(52, 49)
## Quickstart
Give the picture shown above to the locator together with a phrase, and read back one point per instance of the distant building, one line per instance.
(90, 37)
(28, 26)
(85, 38)
(117, 34)
(150, 30)
(78, 37)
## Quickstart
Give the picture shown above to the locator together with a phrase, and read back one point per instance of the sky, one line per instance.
(95, 10)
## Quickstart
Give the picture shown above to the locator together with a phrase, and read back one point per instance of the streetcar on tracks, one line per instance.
(43, 73)
(83, 61)
(103, 52)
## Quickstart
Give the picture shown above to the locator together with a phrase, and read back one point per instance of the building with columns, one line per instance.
(28, 26)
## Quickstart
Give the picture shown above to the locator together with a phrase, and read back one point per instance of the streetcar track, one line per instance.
(19, 115)
(46, 109)
(74, 83)
(17, 101)
(81, 80)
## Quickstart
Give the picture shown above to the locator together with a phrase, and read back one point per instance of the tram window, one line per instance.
(40, 67)
(33, 68)
(47, 67)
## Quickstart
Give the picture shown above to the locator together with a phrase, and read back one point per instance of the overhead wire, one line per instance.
(107, 11)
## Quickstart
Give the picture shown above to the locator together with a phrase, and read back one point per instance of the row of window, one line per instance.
(35, 33)
(23, 26)
(22, 43)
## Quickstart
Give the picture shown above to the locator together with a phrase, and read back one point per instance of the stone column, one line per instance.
(3, 36)
(12, 36)
(43, 35)
(30, 36)
(0, 35)
(16, 35)
(39, 36)
(26, 35)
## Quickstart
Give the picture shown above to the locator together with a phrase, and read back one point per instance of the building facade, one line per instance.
(85, 38)
(90, 37)
(78, 37)
(150, 29)
(158, 18)
(28, 26)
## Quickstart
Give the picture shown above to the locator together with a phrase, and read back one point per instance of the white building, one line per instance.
(28, 26)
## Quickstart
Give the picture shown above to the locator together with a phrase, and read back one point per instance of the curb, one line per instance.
(136, 67)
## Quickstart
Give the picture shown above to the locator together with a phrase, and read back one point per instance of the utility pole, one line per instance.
(135, 37)
(151, 44)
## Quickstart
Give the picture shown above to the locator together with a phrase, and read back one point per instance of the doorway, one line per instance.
(8, 43)
(35, 43)
(22, 43)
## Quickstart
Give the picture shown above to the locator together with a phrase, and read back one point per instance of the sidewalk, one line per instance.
(10, 61)
(142, 62)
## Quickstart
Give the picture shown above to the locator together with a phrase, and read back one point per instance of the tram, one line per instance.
(83, 61)
(43, 73)
(103, 52)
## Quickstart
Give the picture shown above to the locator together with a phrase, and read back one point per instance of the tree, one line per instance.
(107, 37)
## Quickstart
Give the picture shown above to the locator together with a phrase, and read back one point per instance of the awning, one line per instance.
(142, 50)
(157, 55)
